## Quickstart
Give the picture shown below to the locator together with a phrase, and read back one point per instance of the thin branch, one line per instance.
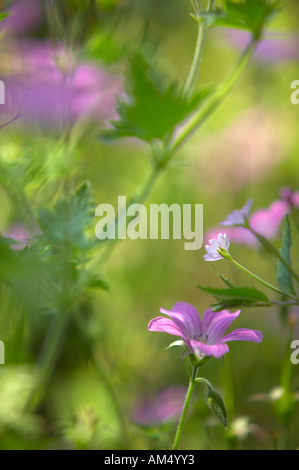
(9, 122)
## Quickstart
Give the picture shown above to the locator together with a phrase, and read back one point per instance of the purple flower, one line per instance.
(202, 337)
(282, 47)
(239, 217)
(51, 91)
(164, 407)
(25, 16)
(290, 197)
(21, 235)
(217, 248)
(264, 221)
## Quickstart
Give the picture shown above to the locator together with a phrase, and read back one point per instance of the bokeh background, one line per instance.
(248, 149)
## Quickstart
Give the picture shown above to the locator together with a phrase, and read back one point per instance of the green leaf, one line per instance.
(4, 15)
(153, 109)
(224, 279)
(251, 15)
(215, 402)
(246, 294)
(284, 276)
(66, 224)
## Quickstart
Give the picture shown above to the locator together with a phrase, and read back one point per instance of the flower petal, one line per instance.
(186, 317)
(165, 325)
(243, 334)
(201, 349)
(267, 221)
(215, 324)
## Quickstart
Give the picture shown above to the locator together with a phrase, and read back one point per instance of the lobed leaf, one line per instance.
(250, 15)
(153, 109)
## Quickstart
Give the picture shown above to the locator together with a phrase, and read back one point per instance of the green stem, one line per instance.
(265, 283)
(192, 384)
(272, 249)
(216, 99)
(49, 355)
(196, 60)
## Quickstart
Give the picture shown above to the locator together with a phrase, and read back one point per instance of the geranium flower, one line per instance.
(239, 217)
(217, 248)
(290, 197)
(264, 221)
(204, 337)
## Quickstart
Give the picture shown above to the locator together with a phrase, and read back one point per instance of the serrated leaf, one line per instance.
(153, 109)
(67, 222)
(251, 15)
(246, 294)
(284, 276)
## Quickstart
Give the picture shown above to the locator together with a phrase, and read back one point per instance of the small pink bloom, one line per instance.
(290, 197)
(271, 49)
(264, 221)
(162, 408)
(267, 221)
(204, 337)
(20, 234)
(239, 217)
(213, 254)
(25, 16)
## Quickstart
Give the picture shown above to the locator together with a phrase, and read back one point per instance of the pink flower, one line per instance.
(279, 48)
(165, 407)
(239, 217)
(264, 221)
(51, 91)
(26, 16)
(216, 247)
(20, 234)
(202, 337)
(267, 221)
(290, 197)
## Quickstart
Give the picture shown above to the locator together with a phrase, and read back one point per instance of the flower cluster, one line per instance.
(265, 221)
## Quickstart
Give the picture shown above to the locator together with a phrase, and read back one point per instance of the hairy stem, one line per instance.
(192, 384)
(216, 99)
(260, 280)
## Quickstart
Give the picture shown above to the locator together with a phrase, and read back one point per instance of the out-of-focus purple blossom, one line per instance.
(20, 234)
(50, 91)
(290, 197)
(264, 221)
(238, 217)
(274, 48)
(164, 407)
(239, 235)
(25, 16)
